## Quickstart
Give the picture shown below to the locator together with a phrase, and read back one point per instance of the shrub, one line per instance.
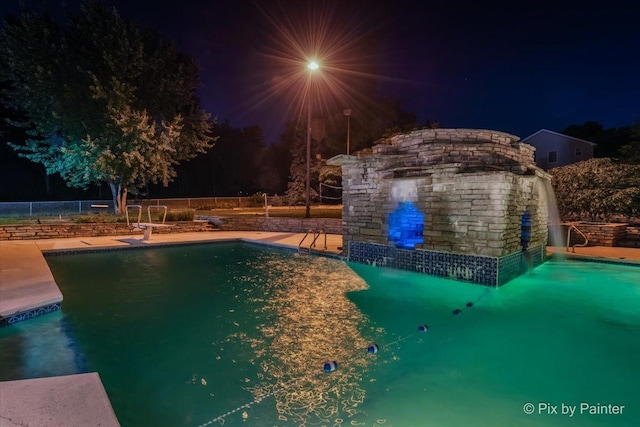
(256, 200)
(597, 189)
(102, 218)
(181, 215)
(226, 203)
(277, 200)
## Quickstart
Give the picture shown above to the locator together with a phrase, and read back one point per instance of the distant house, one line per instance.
(554, 149)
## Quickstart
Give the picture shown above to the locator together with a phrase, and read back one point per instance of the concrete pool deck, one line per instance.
(26, 282)
(600, 253)
(67, 401)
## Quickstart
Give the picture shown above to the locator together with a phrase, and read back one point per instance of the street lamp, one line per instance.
(313, 65)
(347, 112)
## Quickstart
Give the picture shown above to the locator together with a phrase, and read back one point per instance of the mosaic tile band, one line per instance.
(30, 314)
(483, 270)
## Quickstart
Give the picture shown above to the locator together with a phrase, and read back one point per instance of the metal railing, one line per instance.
(316, 234)
(573, 247)
(139, 208)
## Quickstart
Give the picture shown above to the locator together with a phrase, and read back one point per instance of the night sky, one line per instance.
(515, 67)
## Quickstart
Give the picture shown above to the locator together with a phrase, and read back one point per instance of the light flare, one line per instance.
(318, 53)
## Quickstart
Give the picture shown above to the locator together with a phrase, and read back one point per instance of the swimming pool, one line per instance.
(184, 335)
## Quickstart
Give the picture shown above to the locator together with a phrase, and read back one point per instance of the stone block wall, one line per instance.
(291, 225)
(598, 234)
(469, 213)
(632, 239)
(56, 231)
(472, 186)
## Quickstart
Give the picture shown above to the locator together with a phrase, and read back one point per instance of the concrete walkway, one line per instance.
(290, 240)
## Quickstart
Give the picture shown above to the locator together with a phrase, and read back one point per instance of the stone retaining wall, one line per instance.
(632, 239)
(292, 225)
(599, 234)
(56, 231)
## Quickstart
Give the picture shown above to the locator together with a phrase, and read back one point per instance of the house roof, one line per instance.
(559, 134)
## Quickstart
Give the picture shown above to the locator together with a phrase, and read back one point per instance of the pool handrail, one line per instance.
(164, 217)
(316, 235)
(126, 211)
(573, 247)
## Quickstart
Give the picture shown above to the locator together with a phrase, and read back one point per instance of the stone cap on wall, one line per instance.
(473, 148)
(456, 135)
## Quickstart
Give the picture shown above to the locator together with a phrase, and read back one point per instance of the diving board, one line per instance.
(147, 226)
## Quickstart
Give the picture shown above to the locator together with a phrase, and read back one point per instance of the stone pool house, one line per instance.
(460, 203)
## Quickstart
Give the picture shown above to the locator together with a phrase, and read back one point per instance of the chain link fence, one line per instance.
(82, 207)
(72, 207)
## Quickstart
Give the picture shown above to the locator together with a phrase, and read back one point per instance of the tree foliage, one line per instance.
(329, 136)
(630, 152)
(383, 117)
(296, 188)
(609, 141)
(105, 101)
(233, 166)
(597, 189)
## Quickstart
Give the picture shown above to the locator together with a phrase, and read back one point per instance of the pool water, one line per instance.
(184, 335)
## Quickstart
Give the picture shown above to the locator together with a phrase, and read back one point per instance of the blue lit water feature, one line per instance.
(183, 335)
(405, 226)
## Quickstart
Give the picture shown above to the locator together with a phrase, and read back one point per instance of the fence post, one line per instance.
(30, 208)
(79, 206)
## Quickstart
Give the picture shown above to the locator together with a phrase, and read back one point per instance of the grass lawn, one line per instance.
(278, 211)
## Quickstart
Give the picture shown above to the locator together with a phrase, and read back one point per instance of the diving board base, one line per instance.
(148, 228)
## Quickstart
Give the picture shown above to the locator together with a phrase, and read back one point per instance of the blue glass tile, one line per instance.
(30, 314)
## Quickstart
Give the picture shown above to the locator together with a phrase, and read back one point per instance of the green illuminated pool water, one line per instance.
(181, 336)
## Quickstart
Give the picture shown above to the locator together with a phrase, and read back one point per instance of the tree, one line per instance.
(386, 117)
(597, 189)
(105, 100)
(609, 141)
(630, 153)
(383, 117)
(232, 162)
(296, 188)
